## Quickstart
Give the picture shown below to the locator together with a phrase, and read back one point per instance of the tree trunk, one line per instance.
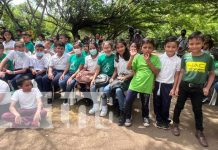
(75, 32)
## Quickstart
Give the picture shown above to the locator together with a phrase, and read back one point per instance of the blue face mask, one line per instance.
(40, 54)
(19, 53)
(93, 52)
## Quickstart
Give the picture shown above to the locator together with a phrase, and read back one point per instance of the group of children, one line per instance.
(137, 68)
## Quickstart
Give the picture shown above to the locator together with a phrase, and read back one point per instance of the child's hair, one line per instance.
(1, 46)
(26, 34)
(209, 41)
(171, 39)
(95, 44)
(137, 45)
(22, 79)
(107, 42)
(66, 36)
(148, 41)
(126, 54)
(19, 42)
(214, 52)
(61, 44)
(196, 35)
(42, 35)
(39, 45)
(78, 44)
(12, 36)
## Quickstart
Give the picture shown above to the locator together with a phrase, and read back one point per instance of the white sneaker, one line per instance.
(94, 109)
(103, 111)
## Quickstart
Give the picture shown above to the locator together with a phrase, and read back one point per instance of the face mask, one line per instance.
(40, 54)
(77, 51)
(93, 52)
(19, 53)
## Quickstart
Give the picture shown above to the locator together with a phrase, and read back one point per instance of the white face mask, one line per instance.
(93, 52)
(77, 51)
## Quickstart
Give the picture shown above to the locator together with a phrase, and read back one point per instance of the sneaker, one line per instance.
(159, 125)
(94, 109)
(128, 122)
(121, 118)
(176, 130)
(103, 111)
(146, 122)
(165, 126)
(201, 138)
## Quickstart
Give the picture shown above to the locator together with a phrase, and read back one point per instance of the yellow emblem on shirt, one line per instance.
(196, 66)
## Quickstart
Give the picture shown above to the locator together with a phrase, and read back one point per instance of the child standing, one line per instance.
(197, 68)
(166, 81)
(145, 66)
(39, 65)
(8, 41)
(30, 112)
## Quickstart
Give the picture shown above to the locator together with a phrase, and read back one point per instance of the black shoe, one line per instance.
(159, 125)
(201, 138)
(122, 118)
(166, 126)
(49, 101)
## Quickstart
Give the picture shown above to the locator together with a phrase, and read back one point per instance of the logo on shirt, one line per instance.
(106, 68)
(196, 66)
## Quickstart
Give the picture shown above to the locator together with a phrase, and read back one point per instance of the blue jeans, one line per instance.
(63, 83)
(38, 79)
(118, 93)
(94, 94)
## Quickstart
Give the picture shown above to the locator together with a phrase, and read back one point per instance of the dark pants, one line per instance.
(38, 78)
(161, 101)
(196, 95)
(131, 95)
(13, 78)
(47, 83)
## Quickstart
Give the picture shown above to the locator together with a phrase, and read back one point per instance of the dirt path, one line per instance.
(109, 136)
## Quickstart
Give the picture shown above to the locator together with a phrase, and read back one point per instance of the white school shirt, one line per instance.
(39, 64)
(9, 45)
(90, 64)
(169, 66)
(19, 62)
(4, 89)
(59, 63)
(27, 100)
(121, 66)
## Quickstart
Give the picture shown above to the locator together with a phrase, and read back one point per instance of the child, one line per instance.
(85, 51)
(49, 51)
(39, 65)
(30, 112)
(105, 65)
(145, 66)
(166, 81)
(76, 61)
(8, 41)
(197, 68)
(21, 64)
(9, 64)
(57, 65)
(28, 43)
(66, 40)
(5, 97)
(90, 65)
(120, 73)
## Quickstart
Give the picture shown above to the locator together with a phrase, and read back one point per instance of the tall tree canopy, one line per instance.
(156, 18)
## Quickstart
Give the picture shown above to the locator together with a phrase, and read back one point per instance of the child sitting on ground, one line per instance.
(30, 112)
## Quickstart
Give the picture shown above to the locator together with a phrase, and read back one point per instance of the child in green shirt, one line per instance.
(145, 66)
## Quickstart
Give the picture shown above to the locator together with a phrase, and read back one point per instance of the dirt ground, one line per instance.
(104, 133)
